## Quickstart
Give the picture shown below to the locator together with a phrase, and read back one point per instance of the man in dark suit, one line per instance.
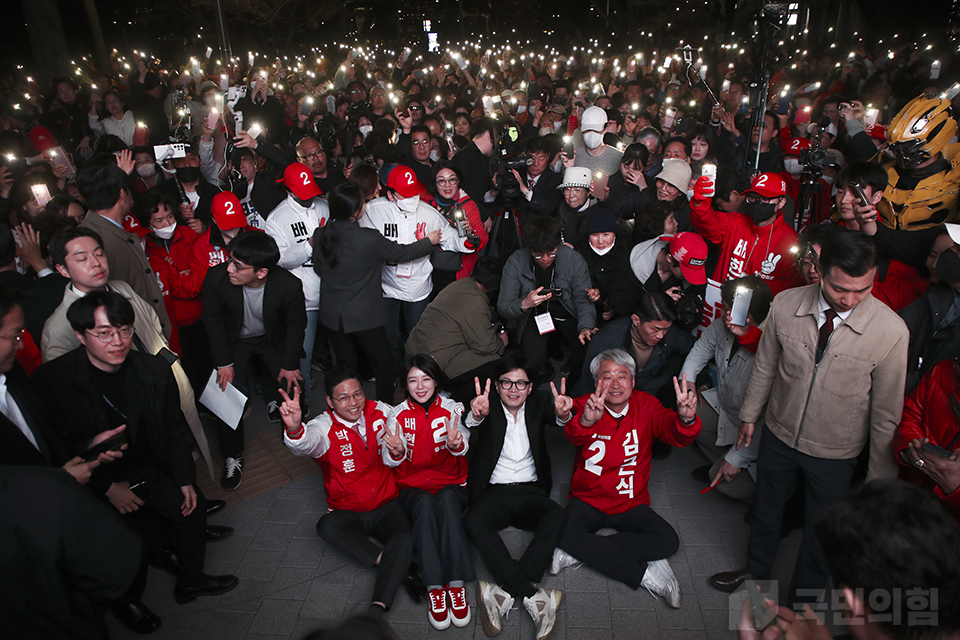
(510, 481)
(253, 308)
(102, 385)
(474, 162)
(538, 183)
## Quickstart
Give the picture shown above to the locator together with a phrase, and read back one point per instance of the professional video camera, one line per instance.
(509, 156)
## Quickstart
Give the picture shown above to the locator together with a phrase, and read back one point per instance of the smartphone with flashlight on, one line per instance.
(41, 194)
(568, 146)
(307, 106)
(668, 117)
(58, 157)
(740, 308)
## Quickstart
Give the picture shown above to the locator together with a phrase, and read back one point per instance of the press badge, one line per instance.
(544, 322)
(405, 270)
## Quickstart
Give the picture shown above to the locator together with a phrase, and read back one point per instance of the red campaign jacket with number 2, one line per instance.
(354, 476)
(428, 464)
(746, 248)
(612, 466)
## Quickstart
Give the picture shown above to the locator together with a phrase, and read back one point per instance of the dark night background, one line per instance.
(170, 28)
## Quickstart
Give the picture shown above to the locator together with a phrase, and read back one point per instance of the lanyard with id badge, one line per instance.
(544, 320)
(405, 269)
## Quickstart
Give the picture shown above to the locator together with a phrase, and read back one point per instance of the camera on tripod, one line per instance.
(813, 158)
(509, 157)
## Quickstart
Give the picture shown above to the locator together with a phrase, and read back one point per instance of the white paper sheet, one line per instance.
(226, 405)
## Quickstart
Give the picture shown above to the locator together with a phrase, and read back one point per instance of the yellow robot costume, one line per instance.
(921, 197)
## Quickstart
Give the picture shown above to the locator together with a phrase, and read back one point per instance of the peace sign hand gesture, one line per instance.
(393, 441)
(596, 405)
(562, 403)
(686, 399)
(290, 410)
(454, 436)
(480, 406)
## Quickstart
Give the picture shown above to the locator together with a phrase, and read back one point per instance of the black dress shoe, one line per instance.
(213, 506)
(702, 474)
(414, 584)
(136, 616)
(216, 532)
(730, 581)
(209, 586)
(168, 561)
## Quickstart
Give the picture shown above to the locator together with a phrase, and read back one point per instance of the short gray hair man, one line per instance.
(618, 357)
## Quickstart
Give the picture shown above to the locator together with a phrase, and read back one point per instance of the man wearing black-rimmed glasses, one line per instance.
(510, 482)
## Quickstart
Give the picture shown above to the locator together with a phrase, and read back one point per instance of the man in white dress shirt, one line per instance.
(510, 481)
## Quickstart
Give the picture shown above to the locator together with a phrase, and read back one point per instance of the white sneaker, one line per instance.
(542, 607)
(660, 581)
(562, 560)
(493, 604)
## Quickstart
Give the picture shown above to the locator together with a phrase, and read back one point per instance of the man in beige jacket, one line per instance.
(829, 375)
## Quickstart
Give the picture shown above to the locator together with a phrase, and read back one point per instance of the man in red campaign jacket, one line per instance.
(755, 241)
(613, 430)
(210, 247)
(361, 492)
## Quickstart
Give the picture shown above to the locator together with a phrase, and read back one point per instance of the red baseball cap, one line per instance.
(768, 185)
(42, 139)
(796, 146)
(299, 180)
(131, 224)
(227, 212)
(877, 131)
(404, 181)
(690, 250)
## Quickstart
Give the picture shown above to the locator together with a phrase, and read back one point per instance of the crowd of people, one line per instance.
(638, 256)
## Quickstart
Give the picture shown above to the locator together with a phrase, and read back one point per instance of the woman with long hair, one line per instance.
(349, 259)
(427, 442)
(113, 118)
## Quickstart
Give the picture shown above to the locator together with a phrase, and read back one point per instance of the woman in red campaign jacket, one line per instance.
(169, 247)
(210, 249)
(427, 443)
(446, 196)
(931, 414)
(345, 442)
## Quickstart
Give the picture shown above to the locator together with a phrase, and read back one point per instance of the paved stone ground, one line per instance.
(291, 582)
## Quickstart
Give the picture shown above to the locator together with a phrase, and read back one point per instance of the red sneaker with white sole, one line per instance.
(459, 607)
(439, 613)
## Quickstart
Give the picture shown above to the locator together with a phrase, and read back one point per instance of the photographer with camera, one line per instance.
(261, 105)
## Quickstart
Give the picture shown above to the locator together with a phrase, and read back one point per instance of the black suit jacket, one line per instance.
(475, 169)
(39, 297)
(156, 428)
(284, 315)
(14, 446)
(546, 197)
(205, 190)
(351, 293)
(487, 441)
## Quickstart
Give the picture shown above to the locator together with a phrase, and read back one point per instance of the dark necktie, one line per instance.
(825, 332)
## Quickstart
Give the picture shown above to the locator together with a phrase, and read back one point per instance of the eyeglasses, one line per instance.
(106, 335)
(238, 266)
(316, 155)
(755, 198)
(544, 256)
(421, 143)
(415, 108)
(345, 398)
(16, 338)
(445, 181)
(519, 385)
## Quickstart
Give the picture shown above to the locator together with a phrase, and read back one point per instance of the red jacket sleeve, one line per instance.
(667, 426)
(575, 433)
(473, 215)
(911, 420)
(708, 222)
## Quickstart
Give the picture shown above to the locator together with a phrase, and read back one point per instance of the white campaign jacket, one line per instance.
(292, 226)
(410, 281)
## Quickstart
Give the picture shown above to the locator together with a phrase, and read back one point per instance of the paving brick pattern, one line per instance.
(291, 582)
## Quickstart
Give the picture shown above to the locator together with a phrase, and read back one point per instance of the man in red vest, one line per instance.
(361, 491)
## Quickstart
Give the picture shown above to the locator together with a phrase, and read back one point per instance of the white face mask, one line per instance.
(603, 252)
(522, 109)
(829, 179)
(558, 166)
(365, 130)
(690, 194)
(146, 170)
(793, 166)
(556, 126)
(408, 205)
(164, 232)
(434, 155)
(592, 139)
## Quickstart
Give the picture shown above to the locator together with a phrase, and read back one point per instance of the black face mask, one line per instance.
(240, 188)
(303, 203)
(760, 212)
(561, 100)
(188, 174)
(948, 267)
